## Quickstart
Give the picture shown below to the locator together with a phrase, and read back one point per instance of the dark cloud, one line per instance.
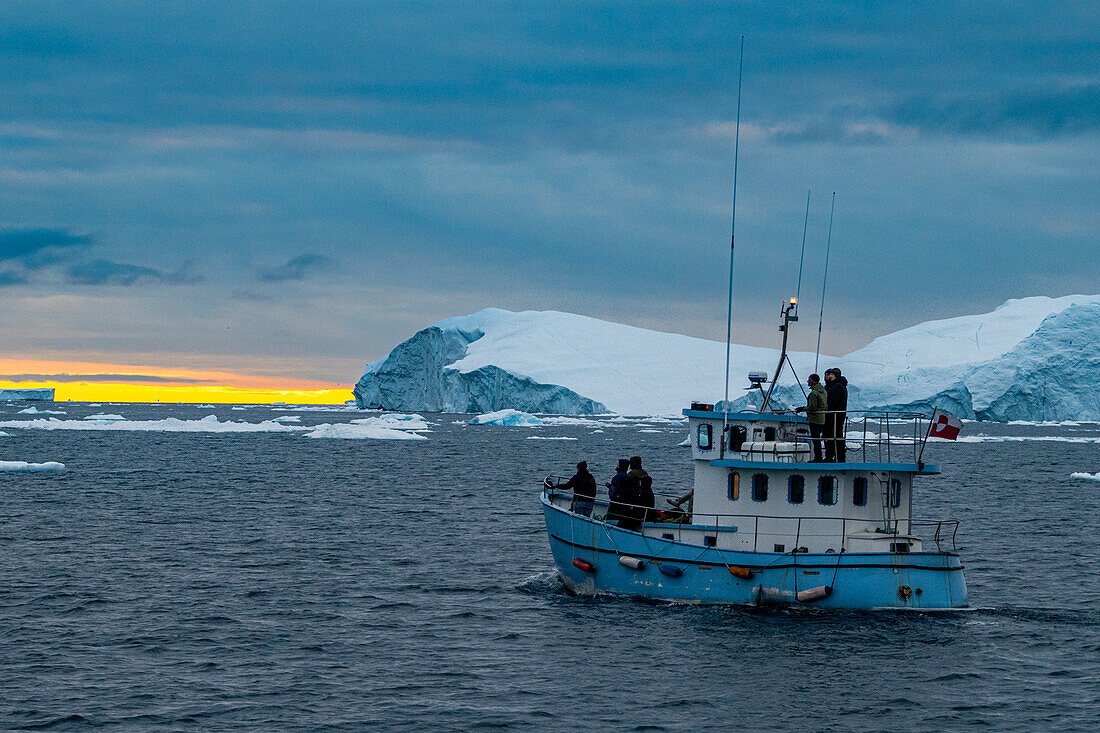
(8, 277)
(106, 272)
(37, 248)
(1043, 112)
(99, 378)
(299, 268)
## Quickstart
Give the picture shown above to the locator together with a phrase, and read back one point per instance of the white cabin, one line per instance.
(755, 484)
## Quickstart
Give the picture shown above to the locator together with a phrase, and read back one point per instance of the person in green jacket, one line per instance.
(817, 402)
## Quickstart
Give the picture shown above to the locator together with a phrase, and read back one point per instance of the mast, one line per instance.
(789, 308)
(802, 257)
(733, 242)
(824, 280)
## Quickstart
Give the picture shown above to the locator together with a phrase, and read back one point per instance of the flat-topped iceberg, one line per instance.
(1030, 359)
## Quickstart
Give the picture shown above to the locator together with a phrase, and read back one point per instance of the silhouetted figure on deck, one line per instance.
(817, 402)
(583, 485)
(836, 389)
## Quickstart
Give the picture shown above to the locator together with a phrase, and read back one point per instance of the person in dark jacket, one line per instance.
(583, 485)
(645, 498)
(638, 479)
(836, 390)
(817, 402)
(617, 492)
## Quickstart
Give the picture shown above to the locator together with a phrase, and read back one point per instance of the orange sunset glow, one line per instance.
(98, 382)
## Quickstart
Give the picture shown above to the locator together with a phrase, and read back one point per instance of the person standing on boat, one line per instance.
(583, 485)
(817, 402)
(617, 490)
(638, 479)
(836, 388)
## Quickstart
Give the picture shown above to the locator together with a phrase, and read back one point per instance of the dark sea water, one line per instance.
(180, 581)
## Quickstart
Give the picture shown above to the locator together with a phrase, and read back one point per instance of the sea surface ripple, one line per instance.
(264, 581)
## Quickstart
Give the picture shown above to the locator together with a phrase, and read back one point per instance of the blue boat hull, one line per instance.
(926, 581)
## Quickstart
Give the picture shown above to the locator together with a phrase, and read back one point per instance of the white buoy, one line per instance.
(814, 594)
(631, 562)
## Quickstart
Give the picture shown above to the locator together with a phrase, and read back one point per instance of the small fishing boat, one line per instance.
(765, 525)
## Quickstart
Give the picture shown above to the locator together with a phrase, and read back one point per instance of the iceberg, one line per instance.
(511, 418)
(44, 394)
(1086, 476)
(1035, 359)
(361, 432)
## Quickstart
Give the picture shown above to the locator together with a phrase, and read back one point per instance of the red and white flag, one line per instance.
(945, 425)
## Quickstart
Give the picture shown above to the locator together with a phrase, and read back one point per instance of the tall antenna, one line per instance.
(824, 281)
(733, 242)
(802, 257)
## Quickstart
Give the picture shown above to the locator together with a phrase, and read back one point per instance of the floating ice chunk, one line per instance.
(549, 437)
(580, 421)
(360, 432)
(685, 443)
(396, 421)
(507, 418)
(24, 467)
(238, 408)
(208, 424)
(650, 430)
(103, 416)
(287, 418)
(1020, 439)
(1086, 476)
(35, 411)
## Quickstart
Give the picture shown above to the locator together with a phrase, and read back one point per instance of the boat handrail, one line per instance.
(696, 520)
(885, 435)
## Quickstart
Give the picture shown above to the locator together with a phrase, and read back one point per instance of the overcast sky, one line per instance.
(294, 188)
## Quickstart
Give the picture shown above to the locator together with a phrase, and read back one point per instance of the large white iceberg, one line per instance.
(1030, 359)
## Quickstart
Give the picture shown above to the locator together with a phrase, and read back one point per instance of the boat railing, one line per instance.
(880, 436)
(941, 532)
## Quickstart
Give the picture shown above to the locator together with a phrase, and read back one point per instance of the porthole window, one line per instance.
(796, 489)
(760, 487)
(703, 439)
(735, 486)
(895, 492)
(859, 491)
(826, 490)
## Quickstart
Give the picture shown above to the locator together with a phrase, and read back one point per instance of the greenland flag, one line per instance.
(945, 425)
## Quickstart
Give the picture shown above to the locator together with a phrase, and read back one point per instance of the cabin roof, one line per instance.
(922, 469)
(745, 416)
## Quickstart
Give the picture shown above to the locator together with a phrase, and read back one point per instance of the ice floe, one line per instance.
(32, 410)
(549, 437)
(1086, 476)
(103, 416)
(24, 467)
(361, 432)
(287, 418)
(1021, 439)
(394, 420)
(507, 418)
(208, 424)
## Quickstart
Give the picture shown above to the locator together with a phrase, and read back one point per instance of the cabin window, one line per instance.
(769, 434)
(704, 438)
(826, 490)
(796, 489)
(895, 492)
(859, 491)
(760, 487)
(737, 437)
(735, 486)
